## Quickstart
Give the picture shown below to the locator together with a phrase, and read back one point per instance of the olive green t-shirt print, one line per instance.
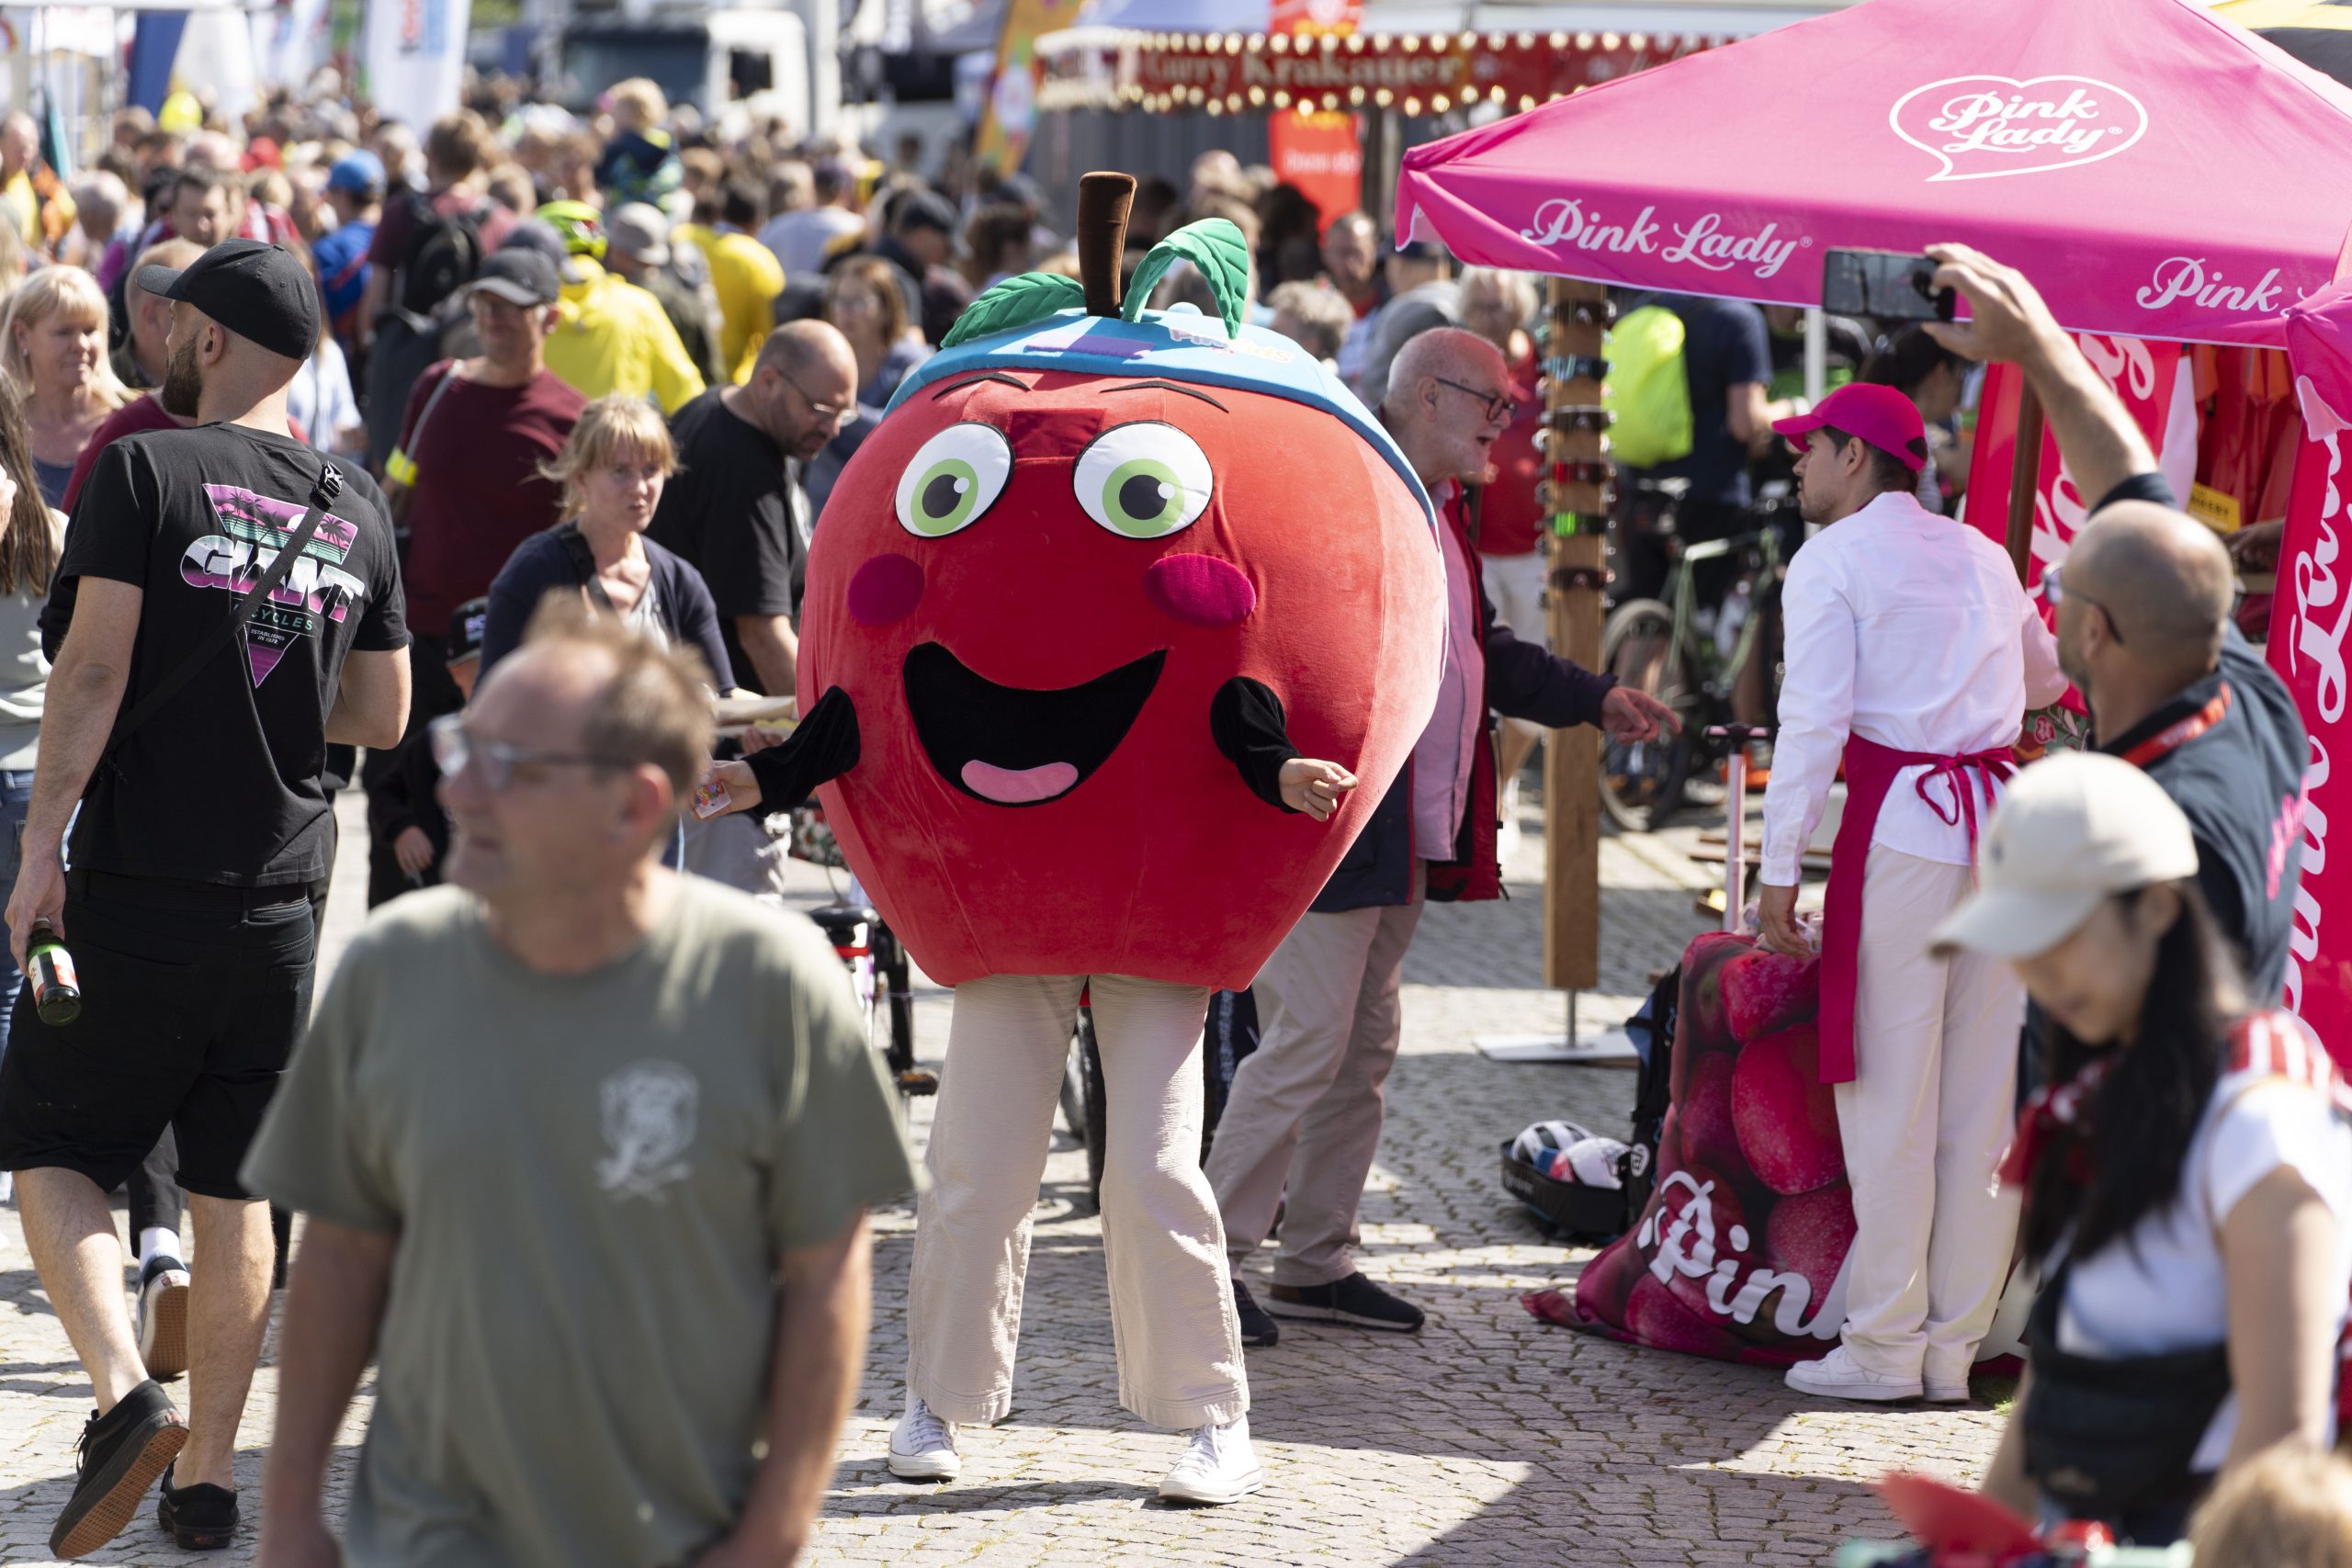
(592, 1177)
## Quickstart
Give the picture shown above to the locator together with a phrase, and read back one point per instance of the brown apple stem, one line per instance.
(1104, 199)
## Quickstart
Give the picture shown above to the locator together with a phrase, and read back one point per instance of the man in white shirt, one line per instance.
(1912, 651)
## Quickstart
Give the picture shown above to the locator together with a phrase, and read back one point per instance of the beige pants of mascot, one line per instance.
(1171, 1312)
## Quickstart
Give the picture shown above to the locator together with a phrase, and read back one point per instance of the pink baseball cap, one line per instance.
(1880, 415)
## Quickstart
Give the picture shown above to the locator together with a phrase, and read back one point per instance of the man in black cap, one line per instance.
(203, 826)
(920, 243)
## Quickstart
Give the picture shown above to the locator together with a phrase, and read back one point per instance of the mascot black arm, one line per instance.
(1246, 722)
(821, 748)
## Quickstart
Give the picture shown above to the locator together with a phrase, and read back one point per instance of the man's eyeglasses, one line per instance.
(1501, 406)
(454, 748)
(831, 413)
(2053, 589)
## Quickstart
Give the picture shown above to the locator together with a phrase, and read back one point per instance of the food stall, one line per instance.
(2166, 178)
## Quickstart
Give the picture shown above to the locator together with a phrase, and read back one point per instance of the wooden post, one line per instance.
(2025, 477)
(1575, 491)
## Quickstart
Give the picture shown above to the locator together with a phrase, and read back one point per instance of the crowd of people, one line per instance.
(501, 448)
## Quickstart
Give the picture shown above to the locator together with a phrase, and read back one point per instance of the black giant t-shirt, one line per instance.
(223, 784)
(2239, 784)
(729, 513)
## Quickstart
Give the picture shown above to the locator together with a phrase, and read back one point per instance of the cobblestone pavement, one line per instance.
(1489, 1438)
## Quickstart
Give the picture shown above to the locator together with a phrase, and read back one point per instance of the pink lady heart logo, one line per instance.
(1981, 128)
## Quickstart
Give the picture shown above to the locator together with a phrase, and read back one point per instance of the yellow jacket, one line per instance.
(747, 278)
(614, 338)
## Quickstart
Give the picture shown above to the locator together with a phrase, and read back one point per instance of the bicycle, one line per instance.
(1690, 660)
(881, 977)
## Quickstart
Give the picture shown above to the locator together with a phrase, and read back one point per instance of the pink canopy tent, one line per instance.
(2158, 172)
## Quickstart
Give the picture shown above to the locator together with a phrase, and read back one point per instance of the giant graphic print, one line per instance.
(252, 529)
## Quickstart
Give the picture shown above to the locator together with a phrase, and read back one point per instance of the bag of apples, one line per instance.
(1740, 1254)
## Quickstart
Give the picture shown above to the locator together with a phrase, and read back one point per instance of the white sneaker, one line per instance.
(1837, 1376)
(1940, 1392)
(163, 1318)
(922, 1447)
(1217, 1466)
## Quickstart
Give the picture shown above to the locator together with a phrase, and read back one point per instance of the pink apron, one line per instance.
(1870, 771)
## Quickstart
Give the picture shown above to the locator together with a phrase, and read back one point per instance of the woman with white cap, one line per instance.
(2187, 1170)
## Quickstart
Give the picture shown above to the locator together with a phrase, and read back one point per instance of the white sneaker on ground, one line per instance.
(1837, 1376)
(1217, 1466)
(162, 1317)
(922, 1447)
(1942, 1390)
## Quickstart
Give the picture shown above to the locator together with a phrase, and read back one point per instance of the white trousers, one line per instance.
(1924, 1123)
(1302, 1122)
(1173, 1320)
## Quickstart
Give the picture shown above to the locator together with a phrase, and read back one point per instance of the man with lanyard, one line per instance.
(2144, 600)
(1922, 1049)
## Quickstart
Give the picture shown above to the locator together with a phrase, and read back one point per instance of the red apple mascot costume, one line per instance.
(1085, 617)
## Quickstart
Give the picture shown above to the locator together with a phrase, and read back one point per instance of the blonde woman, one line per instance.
(611, 471)
(53, 347)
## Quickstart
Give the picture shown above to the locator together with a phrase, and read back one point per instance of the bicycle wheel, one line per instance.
(1642, 782)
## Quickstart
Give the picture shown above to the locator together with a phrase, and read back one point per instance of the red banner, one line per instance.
(2308, 624)
(2140, 373)
(1319, 151)
(1231, 74)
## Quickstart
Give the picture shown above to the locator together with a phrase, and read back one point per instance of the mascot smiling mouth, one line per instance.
(1012, 746)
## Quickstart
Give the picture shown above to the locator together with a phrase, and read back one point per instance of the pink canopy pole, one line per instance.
(2157, 172)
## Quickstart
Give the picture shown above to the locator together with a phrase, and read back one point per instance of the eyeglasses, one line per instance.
(832, 414)
(1501, 406)
(2053, 589)
(454, 748)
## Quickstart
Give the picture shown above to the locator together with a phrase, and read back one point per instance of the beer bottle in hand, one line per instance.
(57, 993)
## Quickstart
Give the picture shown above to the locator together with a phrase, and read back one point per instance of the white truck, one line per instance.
(774, 60)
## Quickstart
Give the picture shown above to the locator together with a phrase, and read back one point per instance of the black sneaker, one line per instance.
(1354, 1300)
(201, 1517)
(162, 1317)
(1258, 1330)
(120, 1454)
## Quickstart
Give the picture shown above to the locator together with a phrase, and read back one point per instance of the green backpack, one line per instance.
(1648, 391)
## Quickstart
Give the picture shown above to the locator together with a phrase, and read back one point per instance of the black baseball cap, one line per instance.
(519, 277)
(926, 209)
(256, 290)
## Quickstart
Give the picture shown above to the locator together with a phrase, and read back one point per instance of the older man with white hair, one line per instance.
(1303, 1120)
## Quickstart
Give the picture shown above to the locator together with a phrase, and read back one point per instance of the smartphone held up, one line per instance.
(1889, 285)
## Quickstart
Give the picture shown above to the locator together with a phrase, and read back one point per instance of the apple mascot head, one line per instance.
(1074, 528)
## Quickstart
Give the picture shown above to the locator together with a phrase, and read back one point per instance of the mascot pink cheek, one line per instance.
(1201, 591)
(885, 590)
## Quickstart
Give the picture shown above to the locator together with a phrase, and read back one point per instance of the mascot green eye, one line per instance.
(1143, 482)
(954, 476)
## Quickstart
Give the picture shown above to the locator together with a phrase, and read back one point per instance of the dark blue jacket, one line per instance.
(1522, 681)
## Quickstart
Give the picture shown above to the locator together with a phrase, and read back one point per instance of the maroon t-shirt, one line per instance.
(141, 414)
(479, 491)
